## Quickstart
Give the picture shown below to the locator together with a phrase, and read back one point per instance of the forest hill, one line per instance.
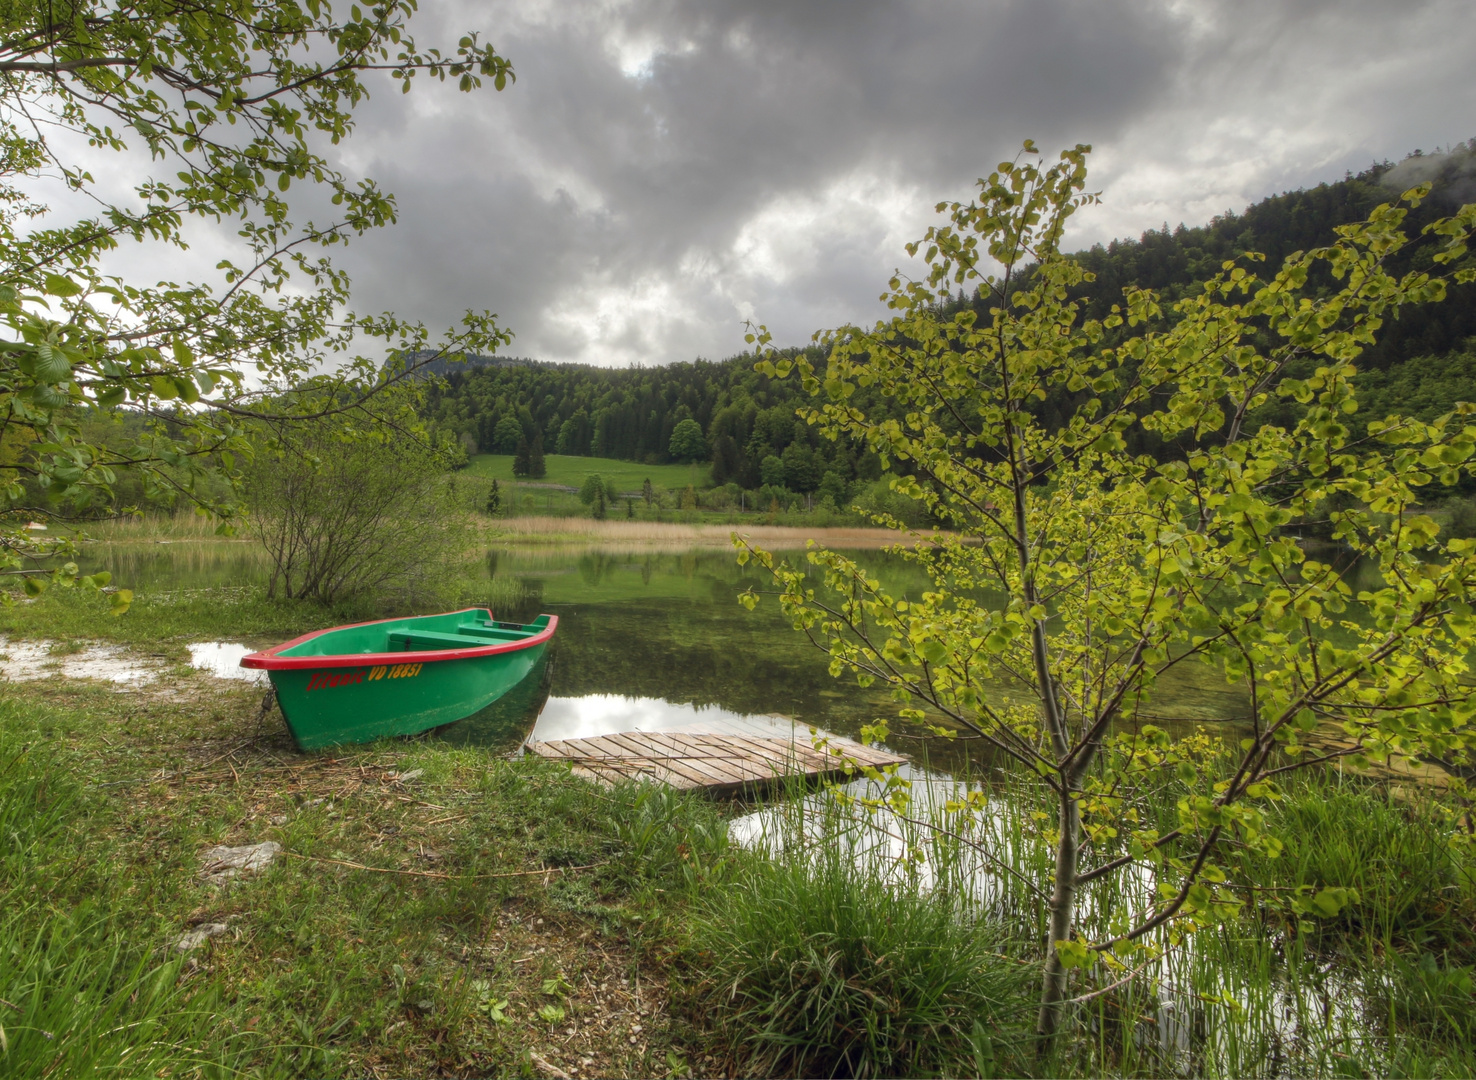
(746, 425)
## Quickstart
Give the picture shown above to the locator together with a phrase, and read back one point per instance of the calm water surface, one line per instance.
(647, 640)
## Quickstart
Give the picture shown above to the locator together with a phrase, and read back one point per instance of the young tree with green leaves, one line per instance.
(236, 103)
(687, 441)
(1081, 575)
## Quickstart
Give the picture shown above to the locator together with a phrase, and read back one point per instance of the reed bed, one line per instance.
(157, 528)
(864, 942)
(677, 534)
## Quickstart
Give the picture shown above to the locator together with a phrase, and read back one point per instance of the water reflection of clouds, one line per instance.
(609, 714)
(223, 660)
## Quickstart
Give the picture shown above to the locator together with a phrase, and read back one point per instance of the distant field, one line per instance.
(627, 475)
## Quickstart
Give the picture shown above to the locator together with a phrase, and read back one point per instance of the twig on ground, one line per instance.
(549, 1067)
(447, 877)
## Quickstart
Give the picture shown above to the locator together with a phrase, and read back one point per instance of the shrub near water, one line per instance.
(816, 969)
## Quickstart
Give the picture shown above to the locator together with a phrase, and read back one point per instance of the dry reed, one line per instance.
(580, 530)
(153, 528)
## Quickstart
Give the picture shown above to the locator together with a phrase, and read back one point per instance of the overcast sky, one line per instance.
(662, 171)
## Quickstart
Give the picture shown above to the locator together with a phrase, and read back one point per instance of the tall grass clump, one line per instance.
(80, 997)
(1413, 884)
(675, 837)
(813, 965)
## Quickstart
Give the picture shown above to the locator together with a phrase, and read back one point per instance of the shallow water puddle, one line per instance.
(25, 661)
(223, 660)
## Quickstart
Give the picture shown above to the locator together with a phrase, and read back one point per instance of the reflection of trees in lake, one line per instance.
(504, 724)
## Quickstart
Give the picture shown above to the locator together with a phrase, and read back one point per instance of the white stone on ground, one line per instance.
(199, 935)
(223, 862)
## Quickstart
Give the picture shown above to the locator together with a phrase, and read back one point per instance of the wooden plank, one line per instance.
(711, 761)
(647, 748)
(635, 746)
(748, 761)
(775, 748)
(602, 746)
(791, 757)
(729, 752)
(812, 760)
(699, 755)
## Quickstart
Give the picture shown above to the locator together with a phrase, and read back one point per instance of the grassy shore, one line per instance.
(570, 471)
(440, 910)
(435, 911)
(534, 529)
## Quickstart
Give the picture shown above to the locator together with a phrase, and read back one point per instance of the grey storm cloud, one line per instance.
(662, 171)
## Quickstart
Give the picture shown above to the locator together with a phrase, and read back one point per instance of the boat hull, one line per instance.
(333, 706)
(355, 684)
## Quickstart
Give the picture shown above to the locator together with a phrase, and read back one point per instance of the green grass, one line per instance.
(800, 965)
(80, 994)
(813, 967)
(1413, 885)
(108, 800)
(628, 476)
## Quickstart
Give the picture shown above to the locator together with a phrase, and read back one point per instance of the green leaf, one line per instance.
(119, 601)
(1075, 954)
(110, 396)
(60, 285)
(185, 387)
(52, 365)
(33, 587)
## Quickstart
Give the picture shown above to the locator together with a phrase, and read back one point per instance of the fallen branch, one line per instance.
(446, 877)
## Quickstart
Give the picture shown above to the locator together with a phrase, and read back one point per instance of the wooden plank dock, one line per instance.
(721, 764)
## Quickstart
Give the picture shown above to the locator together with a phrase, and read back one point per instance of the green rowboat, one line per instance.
(351, 684)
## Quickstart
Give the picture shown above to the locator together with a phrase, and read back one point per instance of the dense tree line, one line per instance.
(723, 412)
(744, 423)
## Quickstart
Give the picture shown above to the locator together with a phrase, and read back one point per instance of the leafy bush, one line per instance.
(687, 442)
(596, 485)
(879, 498)
(1460, 519)
(349, 514)
(770, 494)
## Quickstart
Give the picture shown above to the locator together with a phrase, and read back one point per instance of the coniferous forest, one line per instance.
(1423, 361)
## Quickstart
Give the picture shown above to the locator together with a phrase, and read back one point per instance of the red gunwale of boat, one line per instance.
(268, 660)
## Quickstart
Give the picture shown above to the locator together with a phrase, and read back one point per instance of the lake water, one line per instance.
(656, 639)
